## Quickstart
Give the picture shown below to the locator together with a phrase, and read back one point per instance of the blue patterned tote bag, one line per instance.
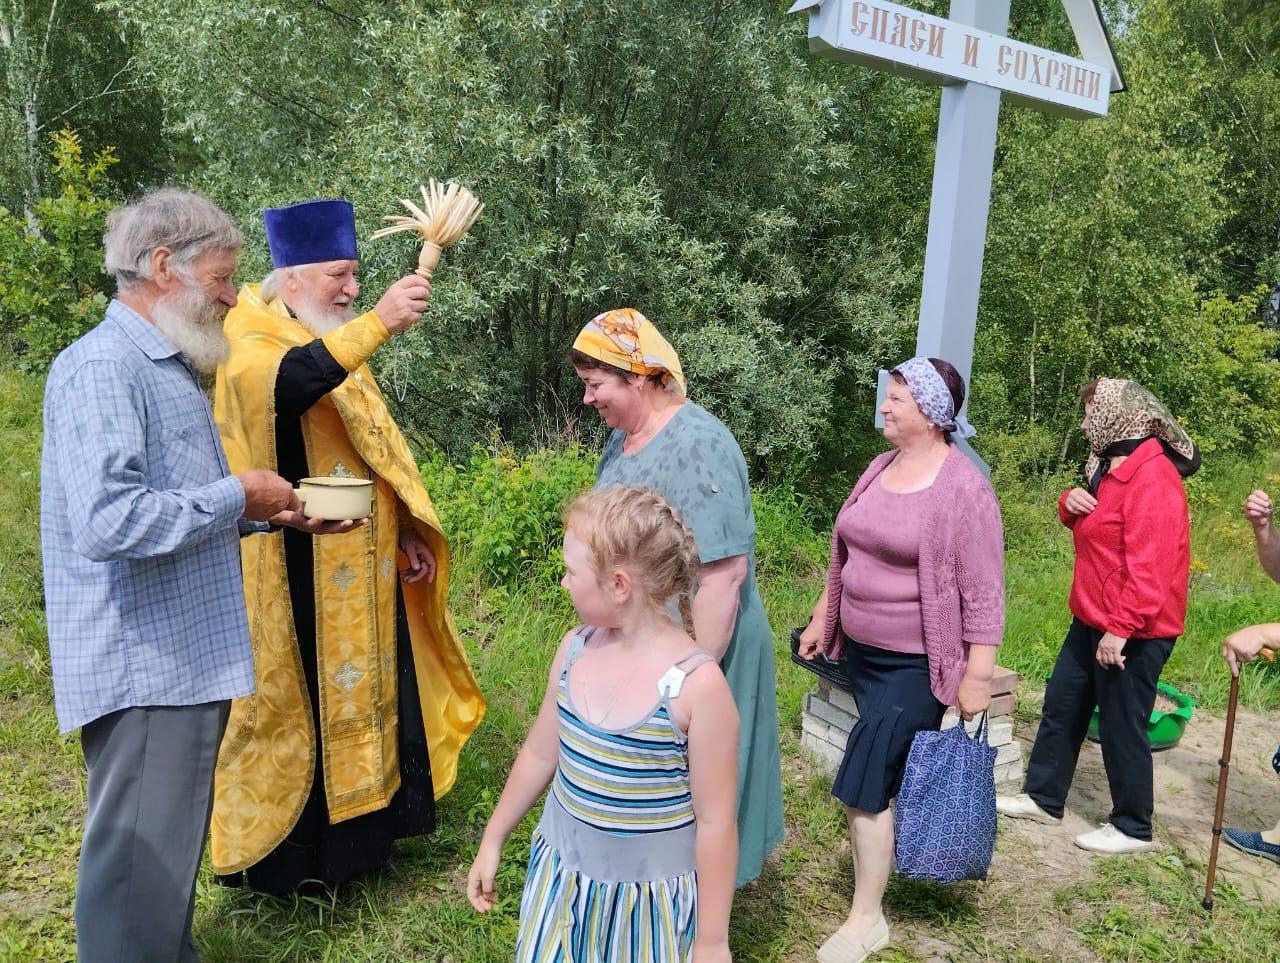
(944, 823)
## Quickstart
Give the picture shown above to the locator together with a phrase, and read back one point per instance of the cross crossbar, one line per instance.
(888, 36)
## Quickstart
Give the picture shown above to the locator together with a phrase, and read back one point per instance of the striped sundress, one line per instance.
(611, 869)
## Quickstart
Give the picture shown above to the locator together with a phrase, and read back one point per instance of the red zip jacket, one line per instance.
(1133, 552)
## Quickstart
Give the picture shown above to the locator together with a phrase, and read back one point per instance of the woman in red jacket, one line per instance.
(1128, 602)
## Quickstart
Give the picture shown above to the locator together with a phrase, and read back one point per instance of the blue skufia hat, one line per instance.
(310, 232)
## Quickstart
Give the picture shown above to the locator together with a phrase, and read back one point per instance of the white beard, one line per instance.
(321, 319)
(194, 324)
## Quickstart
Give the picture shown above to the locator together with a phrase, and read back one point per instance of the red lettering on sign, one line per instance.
(936, 34)
(1004, 59)
(898, 37)
(1036, 61)
(1020, 65)
(859, 19)
(918, 28)
(879, 24)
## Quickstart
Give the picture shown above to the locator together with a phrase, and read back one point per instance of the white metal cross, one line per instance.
(973, 60)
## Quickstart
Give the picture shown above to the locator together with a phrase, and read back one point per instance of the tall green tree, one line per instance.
(691, 160)
(1108, 241)
(765, 208)
(1238, 42)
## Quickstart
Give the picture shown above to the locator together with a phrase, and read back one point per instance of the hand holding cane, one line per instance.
(1224, 769)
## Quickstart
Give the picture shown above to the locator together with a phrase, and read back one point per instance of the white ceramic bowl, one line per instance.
(335, 498)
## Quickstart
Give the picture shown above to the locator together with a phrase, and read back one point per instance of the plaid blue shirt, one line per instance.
(139, 524)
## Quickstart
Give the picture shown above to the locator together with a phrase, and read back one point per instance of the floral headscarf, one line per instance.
(626, 339)
(1122, 415)
(933, 397)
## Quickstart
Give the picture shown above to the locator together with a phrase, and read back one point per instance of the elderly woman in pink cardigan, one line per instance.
(914, 604)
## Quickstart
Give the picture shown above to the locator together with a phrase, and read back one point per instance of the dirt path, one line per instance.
(1018, 914)
(1186, 780)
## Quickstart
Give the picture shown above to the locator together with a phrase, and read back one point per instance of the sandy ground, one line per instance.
(1186, 782)
(1033, 861)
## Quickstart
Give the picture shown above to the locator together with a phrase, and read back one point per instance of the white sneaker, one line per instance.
(1107, 839)
(1023, 806)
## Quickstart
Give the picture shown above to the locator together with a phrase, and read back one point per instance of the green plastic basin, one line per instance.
(1164, 728)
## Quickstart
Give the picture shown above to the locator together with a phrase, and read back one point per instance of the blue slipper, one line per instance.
(1252, 843)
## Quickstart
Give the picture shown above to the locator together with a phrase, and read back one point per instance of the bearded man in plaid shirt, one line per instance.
(140, 523)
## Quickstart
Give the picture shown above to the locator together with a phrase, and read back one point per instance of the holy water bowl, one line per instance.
(335, 498)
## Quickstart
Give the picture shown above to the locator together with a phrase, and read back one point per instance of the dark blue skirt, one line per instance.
(894, 703)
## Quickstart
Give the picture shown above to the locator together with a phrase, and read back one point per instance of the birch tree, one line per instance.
(65, 64)
(26, 35)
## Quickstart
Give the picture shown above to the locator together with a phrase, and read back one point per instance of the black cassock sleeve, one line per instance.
(307, 374)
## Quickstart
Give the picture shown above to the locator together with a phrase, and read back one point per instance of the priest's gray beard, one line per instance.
(194, 324)
(320, 319)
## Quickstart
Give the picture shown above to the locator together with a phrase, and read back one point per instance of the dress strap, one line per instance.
(577, 644)
(672, 680)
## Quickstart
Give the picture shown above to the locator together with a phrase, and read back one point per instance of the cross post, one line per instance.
(970, 55)
(962, 167)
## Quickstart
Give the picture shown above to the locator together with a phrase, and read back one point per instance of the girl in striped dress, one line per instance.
(635, 856)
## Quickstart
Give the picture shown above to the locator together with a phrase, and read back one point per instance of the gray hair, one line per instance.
(187, 223)
(272, 285)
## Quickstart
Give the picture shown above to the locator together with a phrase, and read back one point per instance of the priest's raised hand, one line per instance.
(402, 305)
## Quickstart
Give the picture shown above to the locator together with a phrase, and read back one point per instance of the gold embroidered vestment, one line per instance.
(267, 761)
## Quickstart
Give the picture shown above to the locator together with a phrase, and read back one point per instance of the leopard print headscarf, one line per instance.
(1122, 415)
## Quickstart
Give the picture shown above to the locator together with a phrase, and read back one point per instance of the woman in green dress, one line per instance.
(663, 441)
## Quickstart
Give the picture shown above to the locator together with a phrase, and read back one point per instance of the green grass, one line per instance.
(1150, 909)
(41, 775)
(1138, 909)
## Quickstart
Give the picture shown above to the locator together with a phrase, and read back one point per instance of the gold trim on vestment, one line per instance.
(266, 765)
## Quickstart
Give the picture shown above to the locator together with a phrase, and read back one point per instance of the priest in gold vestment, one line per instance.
(363, 697)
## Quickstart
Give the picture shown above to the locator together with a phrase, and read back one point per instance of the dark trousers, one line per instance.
(1125, 700)
(150, 797)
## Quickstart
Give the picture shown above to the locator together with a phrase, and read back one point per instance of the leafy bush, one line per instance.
(503, 512)
(51, 279)
(1230, 386)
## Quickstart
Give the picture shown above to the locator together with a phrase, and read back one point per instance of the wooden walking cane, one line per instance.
(1224, 769)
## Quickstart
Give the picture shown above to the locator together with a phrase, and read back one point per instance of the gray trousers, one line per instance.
(150, 798)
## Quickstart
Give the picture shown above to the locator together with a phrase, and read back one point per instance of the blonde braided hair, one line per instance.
(638, 530)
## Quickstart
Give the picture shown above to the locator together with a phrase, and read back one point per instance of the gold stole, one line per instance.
(267, 759)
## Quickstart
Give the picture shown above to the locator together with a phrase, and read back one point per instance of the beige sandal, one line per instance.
(843, 947)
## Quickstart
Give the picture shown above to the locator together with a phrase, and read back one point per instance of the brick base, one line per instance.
(830, 713)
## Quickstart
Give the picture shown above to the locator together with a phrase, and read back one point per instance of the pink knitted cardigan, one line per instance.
(961, 570)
